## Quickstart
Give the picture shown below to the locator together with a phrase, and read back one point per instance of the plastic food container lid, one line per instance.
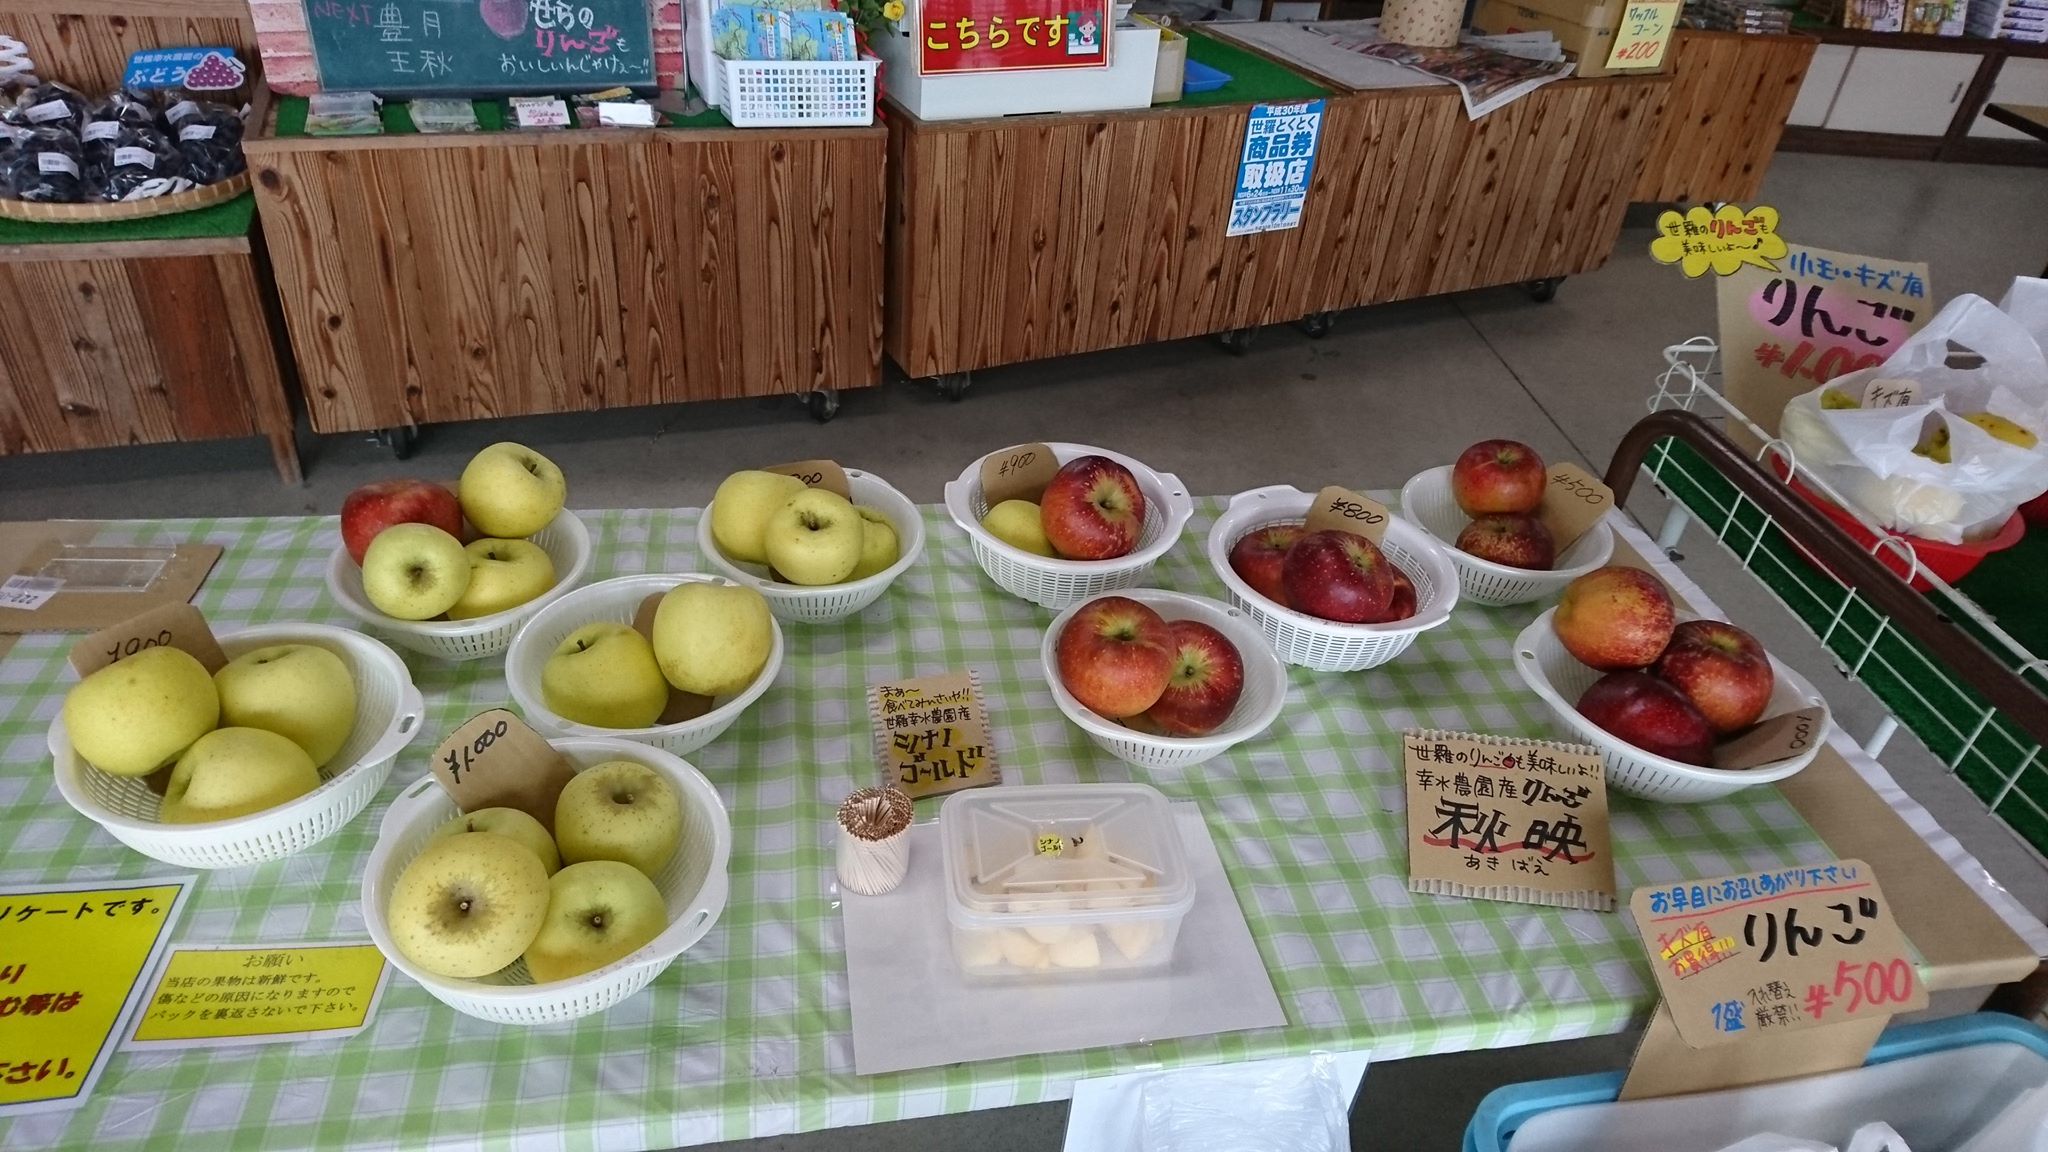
(1016, 853)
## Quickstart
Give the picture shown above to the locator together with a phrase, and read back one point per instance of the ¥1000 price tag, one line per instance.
(495, 761)
(1776, 951)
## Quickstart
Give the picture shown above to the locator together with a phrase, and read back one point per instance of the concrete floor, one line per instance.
(1393, 390)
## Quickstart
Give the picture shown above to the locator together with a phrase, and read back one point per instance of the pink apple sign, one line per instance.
(216, 73)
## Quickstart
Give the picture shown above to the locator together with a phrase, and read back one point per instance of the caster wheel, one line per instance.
(1317, 325)
(953, 385)
(1543, 291)
(402, 440)
(1237, 341)
(823, 404)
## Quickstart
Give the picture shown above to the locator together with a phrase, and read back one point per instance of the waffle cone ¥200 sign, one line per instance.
(1011, 35)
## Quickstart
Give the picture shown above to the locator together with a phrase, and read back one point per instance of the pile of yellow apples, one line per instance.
(808, 536)
(707, 639)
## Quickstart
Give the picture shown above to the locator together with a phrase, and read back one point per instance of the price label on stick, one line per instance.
(1775, 951)
(496, 761)
(169, 626)
(1342, 510)
(824, 474)
(1573, 501)
(1020, 472)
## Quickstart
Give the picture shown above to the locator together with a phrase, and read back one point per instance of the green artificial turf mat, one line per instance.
(227, 219)
(1253, 78)
(2008, 586)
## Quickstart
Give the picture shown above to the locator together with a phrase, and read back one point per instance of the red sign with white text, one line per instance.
(1012, 35)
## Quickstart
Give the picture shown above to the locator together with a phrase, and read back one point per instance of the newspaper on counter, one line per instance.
(1490, 71)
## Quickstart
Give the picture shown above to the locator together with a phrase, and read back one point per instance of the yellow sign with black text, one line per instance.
(250, 995)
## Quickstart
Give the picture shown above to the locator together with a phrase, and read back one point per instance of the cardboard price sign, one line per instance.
(932, 734)
(1017, 473)
(824, 474)
(1573, 501)
(495, 761)
(1339, 509)
(169, 626)
(1646, 27)
(1765, 953)
(1768, 741)
(1493, 818)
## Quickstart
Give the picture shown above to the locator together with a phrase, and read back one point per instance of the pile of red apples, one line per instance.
(1331, 574)
(1124, 661)
(1500, 484)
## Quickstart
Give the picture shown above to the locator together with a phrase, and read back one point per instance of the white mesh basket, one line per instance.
(800, 603)
(388, 714)
(693, 884)
(618, 599)
(1557, 676)
(1325, 645)
(565, 540)
(1427, 501)
(1265, 686)
(798, 93)
(1054, 583)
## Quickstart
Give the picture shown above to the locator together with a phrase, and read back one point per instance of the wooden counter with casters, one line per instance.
(1730, 95)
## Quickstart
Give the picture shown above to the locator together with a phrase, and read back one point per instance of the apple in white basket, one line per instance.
(375, 507)
(510, 491)
(814, 538)
(1721, 669)
(468, 905)
(879, 547)
(1204, 686)
(1338, 576)
(1498, 476)
(511, 823)
(1403, 603)
(300, 691)
(598, 911)
(1258, 557)
(1116, 656)
(233, 772)
(137, 714)
(619, 810)
(503, 574)
(1515, 539)
(1093, 509)
(712, 639)
(1020, 524)
(740, 510)
(604, 674)
(415, 571)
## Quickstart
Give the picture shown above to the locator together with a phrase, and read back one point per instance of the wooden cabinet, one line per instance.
(2021, 81)
(1730, 94)
(1901, 92)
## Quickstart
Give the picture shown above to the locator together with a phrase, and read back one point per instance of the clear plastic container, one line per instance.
(1063, 879)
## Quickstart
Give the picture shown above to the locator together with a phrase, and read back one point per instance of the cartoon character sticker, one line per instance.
(1084, 35)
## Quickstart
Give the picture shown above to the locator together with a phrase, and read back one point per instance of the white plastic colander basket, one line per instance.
(617, 600)
(801, 603)
(1265, 686)
(1057, 584)
(1326, 645)
(693, 884)
(388, 714)
(798, 93)
(1427, 501)
(565, 540)
(1557, 676)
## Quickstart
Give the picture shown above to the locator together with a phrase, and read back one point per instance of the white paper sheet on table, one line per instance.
(912, 1008)
(1108, 1112)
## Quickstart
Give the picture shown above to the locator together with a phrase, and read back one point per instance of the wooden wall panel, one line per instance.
(90, 50)
(1730, 95)
(499, 276)
(1019, 240)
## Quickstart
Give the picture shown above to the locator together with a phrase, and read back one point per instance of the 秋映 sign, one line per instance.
(1507, 819)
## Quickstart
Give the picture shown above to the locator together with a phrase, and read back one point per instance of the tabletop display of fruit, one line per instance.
(1500, 484)
(1091, 509)
(808, 536)
(712, 639)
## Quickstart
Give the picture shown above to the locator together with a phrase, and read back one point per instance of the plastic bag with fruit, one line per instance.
(1940, 452)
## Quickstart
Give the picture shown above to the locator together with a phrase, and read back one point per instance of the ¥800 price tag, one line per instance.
(1342, 510)
(496, 761)
(1776, 951)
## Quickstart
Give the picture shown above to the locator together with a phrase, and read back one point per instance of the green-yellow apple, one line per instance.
(512, 824)
(468, 905)
(232, 772)
(415, 571)
(503, 574)
(619, 810)
(299, 691)
(604, 675)
(135, 715)
(712, 639)
(510, 491)
(879, 547)
(1019, 524)
(740, 510)
(814, 538)
(598, 912)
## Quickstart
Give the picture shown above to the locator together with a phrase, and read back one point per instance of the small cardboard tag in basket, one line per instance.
(1339, 509)
(1020, 472)
(495, 761)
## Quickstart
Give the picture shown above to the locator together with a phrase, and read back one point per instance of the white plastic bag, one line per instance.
(1286, 1106)
(1868, 454)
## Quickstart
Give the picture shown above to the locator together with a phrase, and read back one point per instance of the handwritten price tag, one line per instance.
(495, 761)
(1644, 34)
(824, 474)
(1778, 738)
(168, 626)
(1342, 510)
(1017, 473)
(1573, 502)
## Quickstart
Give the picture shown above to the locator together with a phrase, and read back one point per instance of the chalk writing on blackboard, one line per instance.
(404, 47)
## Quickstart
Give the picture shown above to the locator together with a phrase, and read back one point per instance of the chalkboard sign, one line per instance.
(476, 47)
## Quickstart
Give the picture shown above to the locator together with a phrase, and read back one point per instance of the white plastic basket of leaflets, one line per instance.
(778, 93)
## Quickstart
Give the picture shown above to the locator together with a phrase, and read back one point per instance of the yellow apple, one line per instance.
(468, 905)
(299, 691)
(510, 491)
(740, 509)
(814, 538)
(512, 824)
(879, 547)
(712, 639)
(604, 675)
(137, 714)
(2007, 430)
(619, 810)
(1018, 524)
(233, 772)
(415, 571)
(598, 912)
(503, 574)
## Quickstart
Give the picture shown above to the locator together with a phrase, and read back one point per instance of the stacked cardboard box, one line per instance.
(1585, 28)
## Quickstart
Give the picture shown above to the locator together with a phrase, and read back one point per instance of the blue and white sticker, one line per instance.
(1274, 167)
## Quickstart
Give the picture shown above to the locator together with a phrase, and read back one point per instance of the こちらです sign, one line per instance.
(1011, 35)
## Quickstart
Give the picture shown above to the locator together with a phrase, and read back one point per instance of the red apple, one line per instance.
(1515, 539)
(1257, 559)
(1338, 576)
(375, 507)
(1614, 617)
(1207, 679)
(1403, 603)
(1498, 476)
(1115, 655)
(1092, 509)
(1650, 714)
(1721, 669)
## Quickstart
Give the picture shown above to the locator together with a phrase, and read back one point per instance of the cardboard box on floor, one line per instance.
(1586, 30)
(26, 546)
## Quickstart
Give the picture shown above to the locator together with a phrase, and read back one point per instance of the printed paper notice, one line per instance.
(210, 996)
(73, 963)
(932, 734)
(1274, 167)
(1493, 818)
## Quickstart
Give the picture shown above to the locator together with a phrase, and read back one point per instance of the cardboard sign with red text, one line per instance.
(1573, 501)
(932, 734)
(1339, 509)
(168, 626)
(1012, 35)
(495, 761)
(824, 474)
(1493, 818)
(1017, 473)
(1765, 953)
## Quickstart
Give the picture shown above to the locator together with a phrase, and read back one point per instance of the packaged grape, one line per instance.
(52, 105)
(140, 163)
(210, 139)
(129, 106)
(46, 166)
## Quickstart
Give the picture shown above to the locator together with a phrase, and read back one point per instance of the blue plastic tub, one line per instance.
(1199, 77)
(1506, 1110)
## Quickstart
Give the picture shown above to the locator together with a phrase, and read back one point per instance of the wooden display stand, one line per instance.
(1730, 94)
(435, 278)
(135, 341)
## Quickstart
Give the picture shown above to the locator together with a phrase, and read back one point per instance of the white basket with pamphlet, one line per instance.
(798, 93)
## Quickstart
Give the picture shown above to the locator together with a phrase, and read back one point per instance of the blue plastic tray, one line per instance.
(1199, 77)
(1505, 1110)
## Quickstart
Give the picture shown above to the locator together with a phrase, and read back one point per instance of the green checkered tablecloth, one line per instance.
(749, 1033)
